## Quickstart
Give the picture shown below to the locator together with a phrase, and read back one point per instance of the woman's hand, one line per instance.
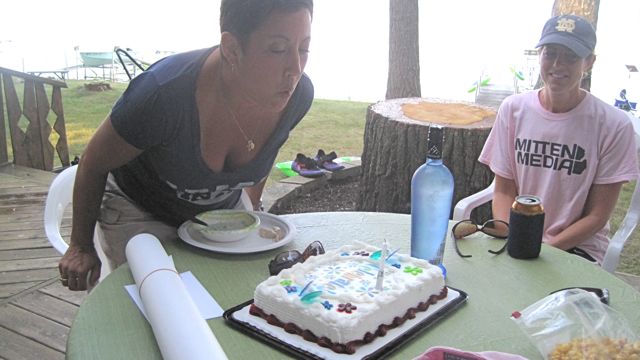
(79, 267)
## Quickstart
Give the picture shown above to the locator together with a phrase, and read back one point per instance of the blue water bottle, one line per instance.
(431, 198)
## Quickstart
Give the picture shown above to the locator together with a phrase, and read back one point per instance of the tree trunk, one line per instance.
(588, 9)
(395, 145)
(404, 51)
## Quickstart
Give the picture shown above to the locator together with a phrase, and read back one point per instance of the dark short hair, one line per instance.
(243, 17)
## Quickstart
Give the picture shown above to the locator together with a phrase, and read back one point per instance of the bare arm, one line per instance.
(600, 204)
(503, 196)
(255, 194)
(106, 151)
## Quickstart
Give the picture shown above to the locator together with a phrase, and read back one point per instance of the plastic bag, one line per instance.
(575, 324)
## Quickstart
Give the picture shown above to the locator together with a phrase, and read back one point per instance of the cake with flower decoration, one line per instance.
(338, 300)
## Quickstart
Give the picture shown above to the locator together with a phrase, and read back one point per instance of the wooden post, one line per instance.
(395, 145)
(4, 150)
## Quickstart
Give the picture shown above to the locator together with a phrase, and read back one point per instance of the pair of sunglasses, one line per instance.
(602, 294)
(496, 228)
(287, 259)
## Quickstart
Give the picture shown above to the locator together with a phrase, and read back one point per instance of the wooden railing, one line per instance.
(29, 128)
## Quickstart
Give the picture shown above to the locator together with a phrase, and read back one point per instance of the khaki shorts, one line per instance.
(121, 218)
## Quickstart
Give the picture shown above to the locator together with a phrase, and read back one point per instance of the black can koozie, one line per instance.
(526, 225)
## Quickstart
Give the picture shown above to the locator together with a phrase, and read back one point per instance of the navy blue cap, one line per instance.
(571, 31)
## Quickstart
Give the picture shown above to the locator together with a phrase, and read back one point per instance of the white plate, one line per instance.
(250, 244)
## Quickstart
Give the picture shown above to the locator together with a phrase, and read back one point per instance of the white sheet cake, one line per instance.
(332, 299)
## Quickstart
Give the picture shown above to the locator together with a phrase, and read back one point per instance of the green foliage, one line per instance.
(483, 82)
(630, 258)
(84, 110)
(517, 74)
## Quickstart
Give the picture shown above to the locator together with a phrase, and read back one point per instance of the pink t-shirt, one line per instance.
(559, 156)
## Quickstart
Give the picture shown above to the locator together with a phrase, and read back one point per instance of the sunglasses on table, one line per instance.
(601, 293)
(287, 259)
(496, 228)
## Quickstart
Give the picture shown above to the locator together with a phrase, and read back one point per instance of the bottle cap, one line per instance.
(435, 140)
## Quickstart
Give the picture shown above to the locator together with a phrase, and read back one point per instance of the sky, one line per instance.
(459, 40)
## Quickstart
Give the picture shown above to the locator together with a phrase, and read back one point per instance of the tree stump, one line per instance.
(395, 145)
(97, 86)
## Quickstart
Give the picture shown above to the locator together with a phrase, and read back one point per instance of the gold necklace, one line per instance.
(250, 144)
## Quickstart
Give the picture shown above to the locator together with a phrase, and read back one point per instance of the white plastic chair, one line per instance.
(611, 259)
(60, 196)
(463, 208)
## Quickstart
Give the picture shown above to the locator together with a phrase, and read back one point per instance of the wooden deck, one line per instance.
(35, 311)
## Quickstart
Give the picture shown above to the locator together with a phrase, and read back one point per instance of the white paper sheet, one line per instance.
(207, 305)
(179, 329)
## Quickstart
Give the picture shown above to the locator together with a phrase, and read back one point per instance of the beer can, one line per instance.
(526, 227)
(528, 205)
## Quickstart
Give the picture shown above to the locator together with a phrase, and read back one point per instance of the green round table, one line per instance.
(109, 326)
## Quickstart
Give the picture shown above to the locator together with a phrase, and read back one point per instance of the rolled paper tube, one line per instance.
(178, 326)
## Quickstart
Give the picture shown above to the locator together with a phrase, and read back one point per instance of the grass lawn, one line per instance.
(329, 125)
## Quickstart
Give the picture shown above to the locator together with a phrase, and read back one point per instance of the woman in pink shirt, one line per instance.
(563, 145)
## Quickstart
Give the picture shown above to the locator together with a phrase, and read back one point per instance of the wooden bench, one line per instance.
(33, 113)
(60, 74)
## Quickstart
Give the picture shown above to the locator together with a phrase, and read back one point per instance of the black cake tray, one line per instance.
(379, 348)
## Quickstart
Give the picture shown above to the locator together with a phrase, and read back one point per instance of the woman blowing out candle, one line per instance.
(197, 131)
